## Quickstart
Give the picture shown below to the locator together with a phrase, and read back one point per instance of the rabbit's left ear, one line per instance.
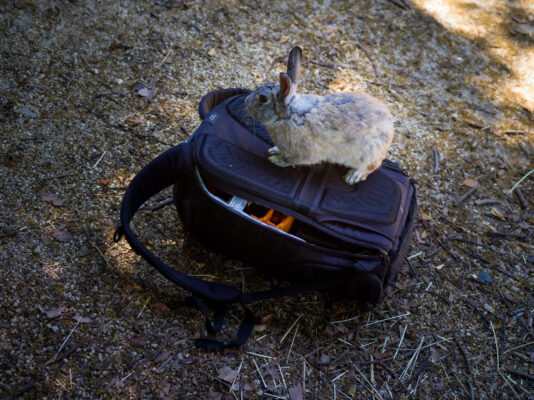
(294, 62)
(287, 88)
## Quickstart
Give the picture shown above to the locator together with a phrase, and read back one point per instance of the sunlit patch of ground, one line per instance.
(505, 29)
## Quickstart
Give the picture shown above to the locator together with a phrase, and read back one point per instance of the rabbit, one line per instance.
(351, 129)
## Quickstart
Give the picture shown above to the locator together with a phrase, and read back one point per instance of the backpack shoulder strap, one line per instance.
(159, 174)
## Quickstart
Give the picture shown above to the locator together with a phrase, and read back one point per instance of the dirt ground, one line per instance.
(90, 91)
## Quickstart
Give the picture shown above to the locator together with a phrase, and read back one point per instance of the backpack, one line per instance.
(303, 225)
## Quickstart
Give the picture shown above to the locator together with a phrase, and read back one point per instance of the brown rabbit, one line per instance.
(351, 129)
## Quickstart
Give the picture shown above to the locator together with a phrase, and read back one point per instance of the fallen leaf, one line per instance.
(162, 356)
(267, 320)
(160, 308)
(212, 52)
(470, 182)
(62, 236)
(137, 342)
(54, 312)
(214, 396)
(325, 359)
(426, 217)
(228, 374)
(497, 213)
(82, 320)
(295, 392)
(439, 386)
(50, 198)
(138, 86)
(132, 121)
(165, 387)
(413, 303)
(435, 355)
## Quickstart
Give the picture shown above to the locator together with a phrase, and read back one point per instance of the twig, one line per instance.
(498, 361)
(100, 159)
(292, 342)
(474, 307)
(519, 194)
(471, 388)
(521, 374)
(519, 181)
(464, 354)
(413, 360)
(386, 319)
(394, 375)
(259, 372)
(505, 235)
(59, 176)
(67, 353)
(400, 342)
(63, 344)
(162, 204)
(370, 59)
(289, 330)
(402, 4)
(373, 389)
(458, 202)
(184, 130)
(435, 156)
(101, 254)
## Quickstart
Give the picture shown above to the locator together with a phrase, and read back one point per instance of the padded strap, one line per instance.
(210, 100)
(159, 174)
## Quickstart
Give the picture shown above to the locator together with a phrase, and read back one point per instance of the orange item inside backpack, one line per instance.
(276, 219)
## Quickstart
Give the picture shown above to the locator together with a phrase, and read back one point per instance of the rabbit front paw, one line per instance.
(274, 151)
(279, 161)
(354, 176)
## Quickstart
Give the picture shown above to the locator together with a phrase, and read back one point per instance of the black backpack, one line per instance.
(304, 225)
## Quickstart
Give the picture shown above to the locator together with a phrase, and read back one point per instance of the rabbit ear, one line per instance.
(287, 87)
(294, 62)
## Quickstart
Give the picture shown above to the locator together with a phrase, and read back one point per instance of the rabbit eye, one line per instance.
(262, 98)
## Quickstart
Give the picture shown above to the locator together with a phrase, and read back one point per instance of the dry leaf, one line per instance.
(470, 182)
(227, 374)
(295, 392)
(137, 342)
(81, 319)
(435, 355)
(497, 213)
(62, 236)
(160, 308)
(50, 198)
(212, 52)
(426, 217)
(165, 387)
(162, 356)
(325, 359)
(267, 320)
(54, 312)
(148, 93)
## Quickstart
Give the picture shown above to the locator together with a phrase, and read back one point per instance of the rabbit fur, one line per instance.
(351, 129)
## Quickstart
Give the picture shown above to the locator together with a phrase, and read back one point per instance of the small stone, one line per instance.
(28, 112)
(484, 277)
(84, 251)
